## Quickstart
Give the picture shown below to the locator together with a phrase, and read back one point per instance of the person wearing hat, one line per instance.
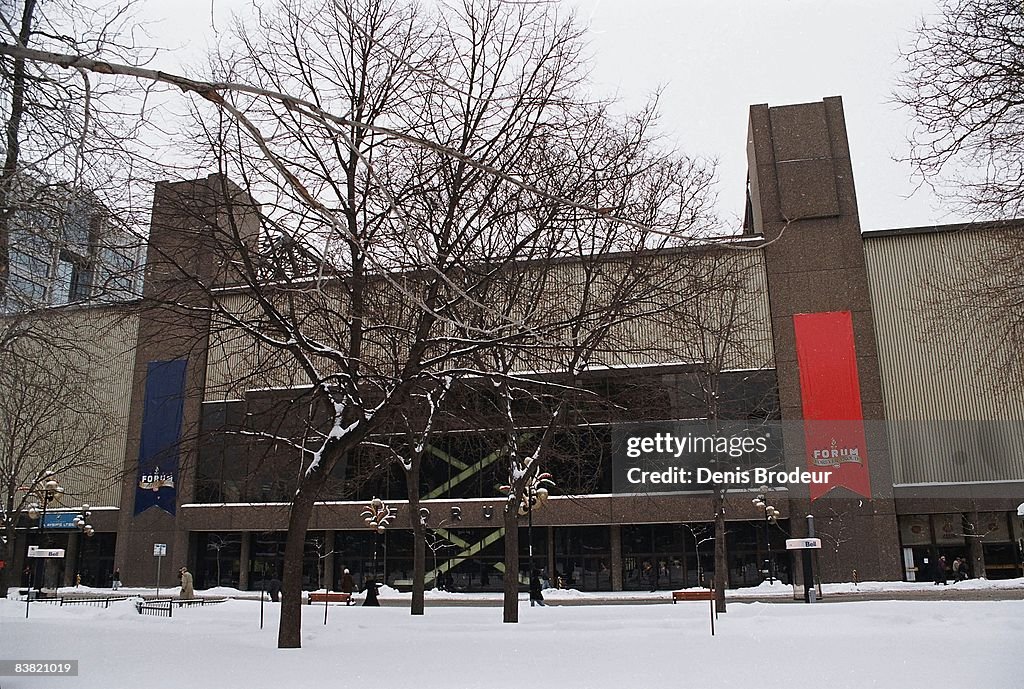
(348, 585)
(187, 592)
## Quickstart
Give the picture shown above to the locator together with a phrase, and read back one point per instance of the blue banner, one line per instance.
(161, 434)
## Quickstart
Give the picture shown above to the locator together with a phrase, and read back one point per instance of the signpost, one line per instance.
(159, 551)
(803, 543)
(36, 551)
(805, 546)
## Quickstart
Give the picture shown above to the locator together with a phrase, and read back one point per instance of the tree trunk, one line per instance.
(511, 578)
(721, 554)
(975, 548)
(419, 549)
(289, 634)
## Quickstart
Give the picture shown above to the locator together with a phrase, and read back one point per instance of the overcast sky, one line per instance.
(713, 59)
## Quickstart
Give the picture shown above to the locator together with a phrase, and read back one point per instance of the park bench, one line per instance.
(315, 597)
(703, 594)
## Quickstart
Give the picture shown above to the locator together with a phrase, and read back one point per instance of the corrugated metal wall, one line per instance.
(952, 416)
(237, 364)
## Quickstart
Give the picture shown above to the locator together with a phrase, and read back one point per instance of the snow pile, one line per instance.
(851, 645)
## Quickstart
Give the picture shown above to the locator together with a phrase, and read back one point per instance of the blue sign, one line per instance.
(60, 520)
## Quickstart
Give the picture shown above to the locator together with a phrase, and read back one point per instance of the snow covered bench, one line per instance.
(317, 597)
(703, 594)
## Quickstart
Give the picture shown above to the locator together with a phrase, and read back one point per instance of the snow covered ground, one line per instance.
(896, 644)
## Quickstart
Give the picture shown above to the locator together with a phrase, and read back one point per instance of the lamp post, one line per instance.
(535, 494)
(771, 516)
(378, 516)
(81, 522)
(45, 489)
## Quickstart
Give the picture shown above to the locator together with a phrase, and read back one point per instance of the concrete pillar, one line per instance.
(803, 201)
(20, 551)
(71, 558)
(551, 554)
(243, 561)
(616, 542)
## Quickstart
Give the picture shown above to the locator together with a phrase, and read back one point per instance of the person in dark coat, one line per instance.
(348, 585)
(651, 575)
(274, 589)
(536, 593)
(940, 571)
(116, 579)
(370, 586)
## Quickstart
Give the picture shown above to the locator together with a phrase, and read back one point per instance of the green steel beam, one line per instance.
(444, 456)
(470, 471)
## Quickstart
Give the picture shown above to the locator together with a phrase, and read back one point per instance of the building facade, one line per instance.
(65, 248)
(939, 467)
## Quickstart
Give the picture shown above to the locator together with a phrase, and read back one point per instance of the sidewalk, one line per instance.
(970, 590)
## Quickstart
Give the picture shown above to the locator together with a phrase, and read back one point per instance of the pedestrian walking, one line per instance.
(940, 571)
(959, 569)
(536, 593)
(187, 592)
(651, 575)
(274, 589)
(370, 586)
(115, 579)
(348, 585)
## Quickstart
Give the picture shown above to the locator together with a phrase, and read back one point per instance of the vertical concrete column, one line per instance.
(803, 201)
(20, 555)
(551, 554)
(186, 254)
(71, 558)
(243, 561)
(329, 560)
(616, 542)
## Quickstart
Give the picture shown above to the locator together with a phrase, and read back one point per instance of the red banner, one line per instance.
(830, 392)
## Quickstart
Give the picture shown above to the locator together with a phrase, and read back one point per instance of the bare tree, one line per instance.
(408, 443)
(429, 232)
(729, 353)
(52, 419)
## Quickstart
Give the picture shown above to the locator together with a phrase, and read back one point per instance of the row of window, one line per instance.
(659, 556)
